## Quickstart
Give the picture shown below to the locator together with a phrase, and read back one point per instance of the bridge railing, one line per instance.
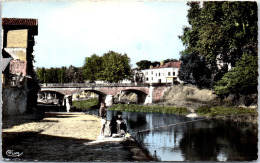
(101, 85)
(90, 84)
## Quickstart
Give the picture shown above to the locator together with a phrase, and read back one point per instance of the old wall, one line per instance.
(17, 53)
(17, 38)
(158, 93)
(14, 101)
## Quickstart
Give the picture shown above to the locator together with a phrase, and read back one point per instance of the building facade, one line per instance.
(164, 73)
(19, 83)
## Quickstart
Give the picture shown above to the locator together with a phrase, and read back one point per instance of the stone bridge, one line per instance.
(146, 93)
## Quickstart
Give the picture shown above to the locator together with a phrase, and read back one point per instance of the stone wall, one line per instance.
(17, 38)
(17, 53)
(14, 101)
(158, 93)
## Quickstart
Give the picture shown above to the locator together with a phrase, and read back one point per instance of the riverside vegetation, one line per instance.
(152, 108)
(181, 99)
(220, 110)
(85, 104)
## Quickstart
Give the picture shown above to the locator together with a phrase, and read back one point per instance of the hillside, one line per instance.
(192, 97)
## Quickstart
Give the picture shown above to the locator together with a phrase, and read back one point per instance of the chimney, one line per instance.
(162, 62)
(151, 66)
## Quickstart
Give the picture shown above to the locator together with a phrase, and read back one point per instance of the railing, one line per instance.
(103, 84)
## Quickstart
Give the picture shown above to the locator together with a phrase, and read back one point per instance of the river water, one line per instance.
(201, 140)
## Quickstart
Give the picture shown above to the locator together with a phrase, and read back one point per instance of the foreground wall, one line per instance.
(14, 101)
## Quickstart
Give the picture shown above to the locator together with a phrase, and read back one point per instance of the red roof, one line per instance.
(19, 21)
(170, 65)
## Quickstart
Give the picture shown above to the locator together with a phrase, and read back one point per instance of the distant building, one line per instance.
(18, 77)
(163, 73)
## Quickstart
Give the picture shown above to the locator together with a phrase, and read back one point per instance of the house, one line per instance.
(163, 73)
(19, 93)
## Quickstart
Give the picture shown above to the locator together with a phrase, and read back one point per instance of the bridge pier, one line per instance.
(109, 100)
(149, 97)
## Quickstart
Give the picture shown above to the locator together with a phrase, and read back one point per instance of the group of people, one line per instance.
(117, 124)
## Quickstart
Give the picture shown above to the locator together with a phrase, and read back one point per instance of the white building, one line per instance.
(165, 73)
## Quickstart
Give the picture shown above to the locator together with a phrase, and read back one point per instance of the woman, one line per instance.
(117, 124)
(103, 115)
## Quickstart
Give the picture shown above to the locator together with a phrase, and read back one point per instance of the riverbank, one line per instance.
(63, 137)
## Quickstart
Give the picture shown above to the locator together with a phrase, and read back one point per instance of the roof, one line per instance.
(19, 22)
(169, 65)
(5, 62)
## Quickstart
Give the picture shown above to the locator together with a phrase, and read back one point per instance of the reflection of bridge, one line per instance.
(146, 93)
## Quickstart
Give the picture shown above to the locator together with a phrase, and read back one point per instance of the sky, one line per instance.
(70, 31)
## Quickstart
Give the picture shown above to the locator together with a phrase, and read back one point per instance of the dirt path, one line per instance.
(64, 137)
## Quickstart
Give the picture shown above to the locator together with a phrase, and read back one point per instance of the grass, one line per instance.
(221, 110)
(86, 104)
(153, 108)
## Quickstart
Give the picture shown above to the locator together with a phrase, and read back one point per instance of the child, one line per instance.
(103, 115)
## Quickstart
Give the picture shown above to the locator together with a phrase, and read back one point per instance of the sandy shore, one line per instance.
(65, 137)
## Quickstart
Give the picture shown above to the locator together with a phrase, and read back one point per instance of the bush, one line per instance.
(203, 110)
(221, 110)
(86, 104)
(154, 108)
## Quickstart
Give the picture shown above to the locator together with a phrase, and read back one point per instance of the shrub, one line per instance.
(153, 108)
(221, 110)
(86, 104)
(203, 110)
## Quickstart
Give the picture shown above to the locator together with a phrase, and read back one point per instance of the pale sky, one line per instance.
(69, 31)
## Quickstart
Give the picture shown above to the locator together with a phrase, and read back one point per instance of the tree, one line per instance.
(115, 67)
(241, 79)
(155, 63)
(170, 60)
(220, 31)
(74, 75)
(92, 68)
(40, 73)
(144, 64)
(62, 75)
(194, 71)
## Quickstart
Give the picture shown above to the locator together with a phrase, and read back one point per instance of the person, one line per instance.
(103, 115)
(117, 124)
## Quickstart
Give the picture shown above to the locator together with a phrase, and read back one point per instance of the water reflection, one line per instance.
(206, 140)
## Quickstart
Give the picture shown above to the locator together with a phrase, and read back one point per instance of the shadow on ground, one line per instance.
(36, 146)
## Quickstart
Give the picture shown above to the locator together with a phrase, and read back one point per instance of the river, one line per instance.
(200, 140)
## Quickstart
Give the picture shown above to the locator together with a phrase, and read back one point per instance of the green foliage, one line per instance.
(92, 67)
(60, 75)
(86, 104)
(194, 71)
(221, 31)
(154, 108)
(115, 67)
(111, 67)
(155, 63)
(144, 64)
(203, 110)
(220, 110)
(241, 79)
(170, 60)
(40, 73)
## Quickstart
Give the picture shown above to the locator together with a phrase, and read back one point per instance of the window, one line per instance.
(159, 74)
(156, 74)
(151, 72)
(147, 79)
(173, 73)
(169, 73)
(151, 78)
(146, 73)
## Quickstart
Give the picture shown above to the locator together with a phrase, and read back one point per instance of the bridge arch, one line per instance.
(141, 95)
(49, 96)
(101, 95)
